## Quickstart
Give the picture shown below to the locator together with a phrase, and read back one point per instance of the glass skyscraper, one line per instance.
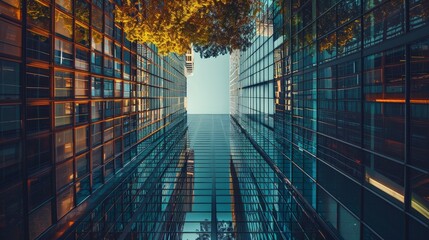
(349, 130)
(327, 136)
(86, 117)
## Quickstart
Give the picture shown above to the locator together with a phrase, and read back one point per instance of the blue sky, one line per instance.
(208, 88)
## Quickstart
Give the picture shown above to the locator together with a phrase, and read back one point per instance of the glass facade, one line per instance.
(83, 112)
(348, 130)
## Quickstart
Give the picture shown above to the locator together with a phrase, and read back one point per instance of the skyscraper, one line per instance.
(349, 130)
(85, 118)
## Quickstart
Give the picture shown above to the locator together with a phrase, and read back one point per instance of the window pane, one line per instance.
(38, 83)
(63, 114)
(63, 53)
(10, 163)
(65, 202)
(96, 111)
(419, 126)
(82, 139)
(38, 118)
(63, 145)
(81, 113)
(9, 80)
(38, 46)
(64, 174)
(63, 25)
(82, 166)
(63, 84)
(40, 220)
(39, 153)
(10, 121)
(38, 14)
(81, 82)
(39, 189)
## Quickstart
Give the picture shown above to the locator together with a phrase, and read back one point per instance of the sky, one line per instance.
(208, 88)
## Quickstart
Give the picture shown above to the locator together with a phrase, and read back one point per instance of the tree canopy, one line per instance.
(214, 27)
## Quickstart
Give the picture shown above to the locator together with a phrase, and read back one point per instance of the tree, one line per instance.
(213, 26)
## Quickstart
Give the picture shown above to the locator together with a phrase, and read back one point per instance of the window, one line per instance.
(82, 166)
(63, 145)
(10, 39)
(63, 84)
(40, 220)
(65, 202)
(419, 87)
(64, 174)
(96, 84)
(108, 130)
(97, 159)
(81, 82)
(39, 189)
(96, 111)
(108, 66)
(328, 48)
(97, 178)
(63, 25)
(81, 112)
(83, 189)
(10, 163)
(38, 83)
(63, 114)
(11, 8)
(9, 80)
(118, 89)
(63, 53)
(82, 59)
(384, 108)
(10, 121)
(108, 109)
(38, 14)
(379, 26)
(418, 13)
(108, 88)
(82, 11)
(108, 47)
(38, 46)
(38, 153)
(64, 4)
(96, 134)
(97, 41)
(96, 62)
(97, 18)
(118, 52)
(38, 118)
(117, 69)
(82, 139)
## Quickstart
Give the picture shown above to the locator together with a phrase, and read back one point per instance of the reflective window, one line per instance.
(81, 82)
(39, 153)
(10, 121)
(82, 10)
(63, 53)
(63, 25)
(419, 102)
(379, 26)
(82, 166)
(384, 80)
(38, 118)
(39, 189)
(65, 202)
(9, 80)
(38, 14)
(81, 112)
(63, 114)
(82, 139)
(63, 84)
(63, 145)
(10, 163)
(38, 83)
(64, 174)
(38, 46)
